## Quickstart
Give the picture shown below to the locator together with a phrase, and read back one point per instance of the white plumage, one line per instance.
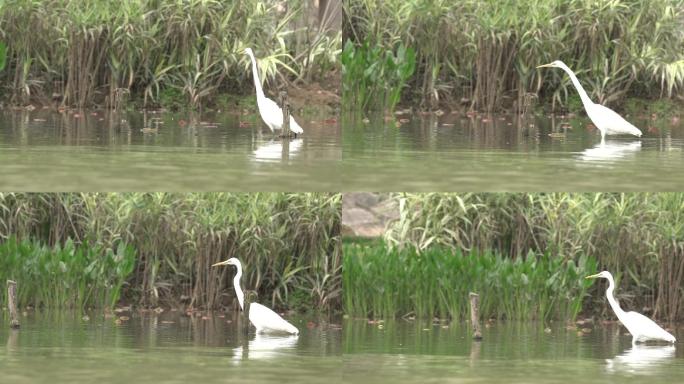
(641, 327)
(606, 120)
(270, 112)
(264, 319)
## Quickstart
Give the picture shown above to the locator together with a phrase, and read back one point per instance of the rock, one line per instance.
(367, 214)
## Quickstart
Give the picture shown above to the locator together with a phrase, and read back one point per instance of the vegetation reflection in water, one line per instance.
(410, 351)
(171, 348)
(97, 150)
(472, 152)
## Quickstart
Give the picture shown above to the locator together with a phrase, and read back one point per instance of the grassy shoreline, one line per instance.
(109, 53)
(483, 54)
(636, 236)
(288, 243)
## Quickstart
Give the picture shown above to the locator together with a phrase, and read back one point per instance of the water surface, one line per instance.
(172, 348)
(408, 352)
(45, 150)
(457, 152)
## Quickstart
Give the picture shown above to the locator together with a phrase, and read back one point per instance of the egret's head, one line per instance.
(248, 51)
(604, 275)
(555, 64)
(231, 261)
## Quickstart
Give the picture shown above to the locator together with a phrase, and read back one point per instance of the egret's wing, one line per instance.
(272, 115)
(645, 327)
(609, 120)
(264, 319)
(294, 127)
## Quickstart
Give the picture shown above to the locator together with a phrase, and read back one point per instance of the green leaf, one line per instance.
(3, 55)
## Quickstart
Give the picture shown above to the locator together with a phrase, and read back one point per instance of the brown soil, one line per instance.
(325, 92)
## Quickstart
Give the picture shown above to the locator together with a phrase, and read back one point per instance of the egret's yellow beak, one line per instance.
(221, 263)
(596, 276)
(545, 65)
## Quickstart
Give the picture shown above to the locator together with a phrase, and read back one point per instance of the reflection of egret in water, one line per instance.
(610, 151)
(278, 150)
(641, 359)
(265, 347)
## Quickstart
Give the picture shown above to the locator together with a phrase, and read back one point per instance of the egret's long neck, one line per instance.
(236, 284)
(255, 73)
(583, 94)
(611, 299)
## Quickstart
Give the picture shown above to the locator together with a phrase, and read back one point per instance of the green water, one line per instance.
(175, 348)
(456, 152)
(44, 150)
(171, 348)
(406, 352)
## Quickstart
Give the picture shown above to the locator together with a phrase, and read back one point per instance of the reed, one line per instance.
(382, 282)
(637, 236)
(483, 54)
(94, 52)
(288, 243)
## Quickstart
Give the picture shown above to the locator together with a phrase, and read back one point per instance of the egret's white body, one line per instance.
(606, 120)
(641, 327)
(270, 112)
(263, 318)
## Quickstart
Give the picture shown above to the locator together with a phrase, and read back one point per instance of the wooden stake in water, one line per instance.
(285, 105)
(250, 297)
(474, 315)
(12, 303)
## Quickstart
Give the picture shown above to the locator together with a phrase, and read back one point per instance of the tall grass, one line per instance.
(639, 237)
(484, 53)
(384, 282)
(97, 52)
(288, 243)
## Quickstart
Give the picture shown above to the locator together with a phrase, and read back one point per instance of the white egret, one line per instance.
(270, 112)
(641, 327)
(263, 318)
(606, 120)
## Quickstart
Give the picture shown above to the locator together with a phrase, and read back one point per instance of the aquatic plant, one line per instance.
(374, 77)
(97, 52)
(483, 54)
(637, 236)
(382, 282)
(287, 242)
(65, 276)
(3, 55)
